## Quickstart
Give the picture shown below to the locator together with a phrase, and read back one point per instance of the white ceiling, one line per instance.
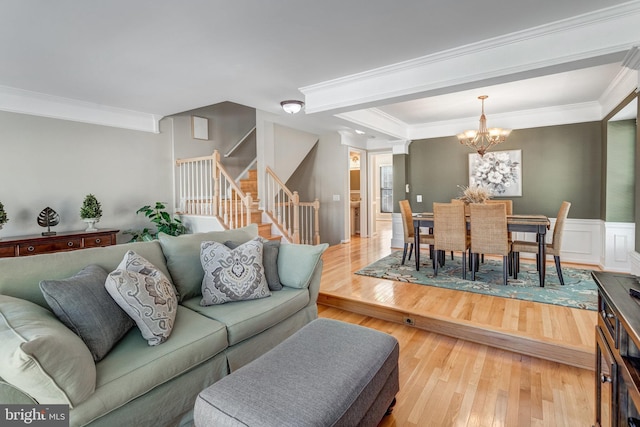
(137, 61)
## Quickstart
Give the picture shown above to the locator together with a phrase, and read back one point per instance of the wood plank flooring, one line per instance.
(547, 331)
(448, 375)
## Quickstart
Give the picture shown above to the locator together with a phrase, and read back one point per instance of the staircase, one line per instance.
(206, 189)
(249, 185)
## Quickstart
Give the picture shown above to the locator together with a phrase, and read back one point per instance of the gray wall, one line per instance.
(50, 162)
(558, 163)
(322, 174)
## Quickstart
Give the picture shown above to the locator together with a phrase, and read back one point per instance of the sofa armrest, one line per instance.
(314, 283)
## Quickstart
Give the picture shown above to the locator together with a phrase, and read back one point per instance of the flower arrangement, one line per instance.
(3, 215)
(474, 194)
(495, 171)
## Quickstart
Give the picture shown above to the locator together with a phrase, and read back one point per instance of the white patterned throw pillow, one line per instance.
(232, 274)
(146, 295)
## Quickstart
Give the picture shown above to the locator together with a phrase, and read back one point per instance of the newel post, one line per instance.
(316, 221)
(296, 217)
(215, 157)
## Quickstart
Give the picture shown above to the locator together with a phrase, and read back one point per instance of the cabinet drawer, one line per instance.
(50, 246)
(97, 241)
(7, 251)
(610, 321)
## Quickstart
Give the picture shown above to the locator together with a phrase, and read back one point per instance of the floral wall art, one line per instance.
(498, 171)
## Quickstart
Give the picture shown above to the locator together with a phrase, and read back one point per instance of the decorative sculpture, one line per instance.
(48, 218)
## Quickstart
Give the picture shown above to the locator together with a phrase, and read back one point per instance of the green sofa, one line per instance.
(142, 385)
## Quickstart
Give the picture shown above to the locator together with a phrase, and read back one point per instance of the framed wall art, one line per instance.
(199, 127)
(498, 171)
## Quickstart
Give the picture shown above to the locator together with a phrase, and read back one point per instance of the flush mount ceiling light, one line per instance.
(360, 132)
(292, 106)
(483, 139)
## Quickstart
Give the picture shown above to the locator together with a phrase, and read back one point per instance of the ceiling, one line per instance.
(398, 70)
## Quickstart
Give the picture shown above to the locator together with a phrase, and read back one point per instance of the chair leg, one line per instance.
(474, 260)
(435, 264)
(404, 253)
(505, 269)
(559, 269)
(410, 250)
(516, 264)
(464, 265)
(451, 255)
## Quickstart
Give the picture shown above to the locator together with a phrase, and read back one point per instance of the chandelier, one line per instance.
(483, 139)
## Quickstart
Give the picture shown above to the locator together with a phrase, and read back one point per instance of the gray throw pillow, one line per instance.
(83, 305)
(232, 274)
(270, 250)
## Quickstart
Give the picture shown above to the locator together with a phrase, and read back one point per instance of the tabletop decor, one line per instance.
(91, 211)
(500, 172)
(3, 216)
(474, 194)
(48, 218)
(579, 291)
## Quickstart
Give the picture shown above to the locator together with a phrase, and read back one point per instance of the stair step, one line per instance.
(253, 174)
(264, 230)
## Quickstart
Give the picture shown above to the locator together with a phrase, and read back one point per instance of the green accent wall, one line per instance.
(620, 181)
(558, 163)
(399, 180)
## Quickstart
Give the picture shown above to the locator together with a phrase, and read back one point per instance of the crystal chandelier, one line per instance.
(483, 139)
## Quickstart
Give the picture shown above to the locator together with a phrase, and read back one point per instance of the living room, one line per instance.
(96, 101)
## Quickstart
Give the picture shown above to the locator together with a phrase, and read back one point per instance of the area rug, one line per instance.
(579, 290)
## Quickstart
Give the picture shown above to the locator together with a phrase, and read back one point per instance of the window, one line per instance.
(386, 189)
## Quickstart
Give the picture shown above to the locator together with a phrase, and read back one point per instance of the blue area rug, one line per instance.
(579, 290)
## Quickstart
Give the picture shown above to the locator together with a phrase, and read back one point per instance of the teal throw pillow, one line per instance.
(296, 263)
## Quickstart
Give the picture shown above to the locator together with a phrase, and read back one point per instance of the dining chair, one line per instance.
(508, 204)
(552, 248)
(409, 231)
(489, 235)
(450, 232)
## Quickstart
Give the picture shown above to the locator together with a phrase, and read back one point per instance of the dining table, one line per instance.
(538, 224)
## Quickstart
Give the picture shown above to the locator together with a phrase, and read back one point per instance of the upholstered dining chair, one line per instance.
(409, 231)
(450, 232)
(489, 235)
(552, 248)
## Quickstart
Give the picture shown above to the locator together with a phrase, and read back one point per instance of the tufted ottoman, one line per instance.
(329, 373)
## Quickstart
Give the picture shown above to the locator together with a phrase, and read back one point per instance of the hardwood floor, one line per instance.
(452, 378)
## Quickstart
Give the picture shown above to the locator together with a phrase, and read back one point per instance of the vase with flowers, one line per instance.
(91, 212)
(3, 216)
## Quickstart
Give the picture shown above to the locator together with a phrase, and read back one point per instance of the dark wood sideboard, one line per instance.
(64, 241)
(617, 351)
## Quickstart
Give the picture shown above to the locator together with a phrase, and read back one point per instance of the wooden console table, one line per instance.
(64, 241)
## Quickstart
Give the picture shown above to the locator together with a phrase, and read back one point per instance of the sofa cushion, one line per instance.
(270, 249)
(41, 356)
(183, 256)
(132, 368)
(245, 319)
(20, 276)
(296, 263)
(232, 274)
(146, 295)
(83, 304)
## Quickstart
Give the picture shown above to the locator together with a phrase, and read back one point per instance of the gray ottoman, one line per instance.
(329, 373)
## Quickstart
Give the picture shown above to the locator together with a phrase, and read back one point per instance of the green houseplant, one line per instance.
(163, 221)
(3, 215)
(90, 211)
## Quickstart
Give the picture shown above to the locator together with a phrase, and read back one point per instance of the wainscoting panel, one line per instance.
(585, 241)
(619, 244)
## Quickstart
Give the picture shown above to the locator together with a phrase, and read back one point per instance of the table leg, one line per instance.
(416, 246)
(542, 257)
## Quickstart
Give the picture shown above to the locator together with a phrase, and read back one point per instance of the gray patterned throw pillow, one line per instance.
(146, 295)
(232, 274)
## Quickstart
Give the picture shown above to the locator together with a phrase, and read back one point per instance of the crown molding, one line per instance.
(556, 46)
(625, 82)
(40, 104)
(377, 120)
(632, 60)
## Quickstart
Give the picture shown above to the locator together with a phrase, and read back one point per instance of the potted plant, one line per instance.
(3, 216)
(91, 212)
(163, 221)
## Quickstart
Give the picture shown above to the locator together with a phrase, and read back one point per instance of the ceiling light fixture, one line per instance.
(292, 106)
(359, 132)
(483, 139)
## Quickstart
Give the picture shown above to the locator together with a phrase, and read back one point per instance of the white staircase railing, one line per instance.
(297, 221)
(206, 188)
